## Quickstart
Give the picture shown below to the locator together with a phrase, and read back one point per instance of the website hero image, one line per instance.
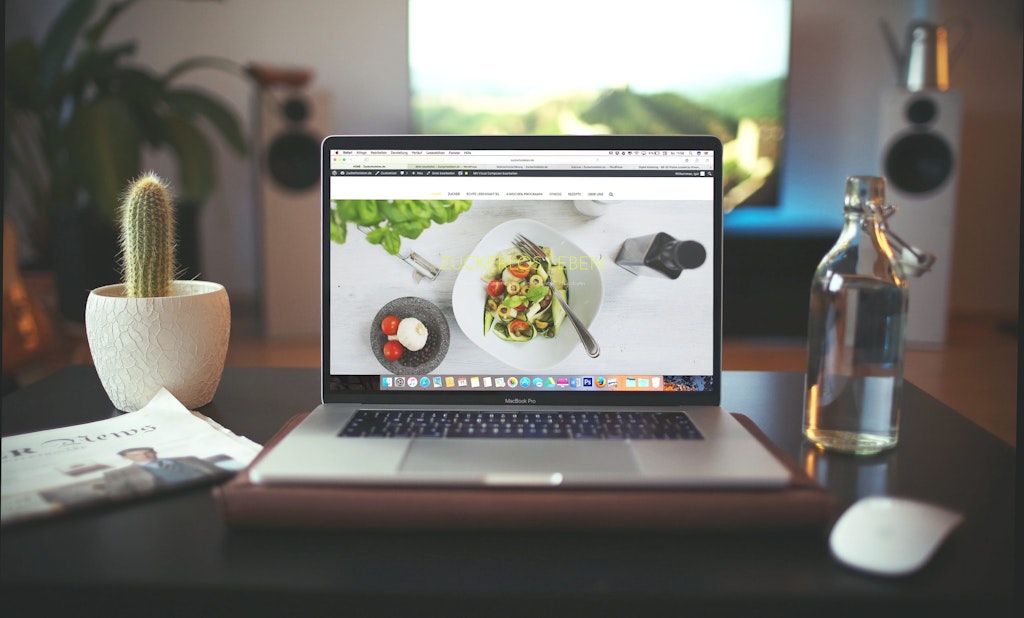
(444, 291)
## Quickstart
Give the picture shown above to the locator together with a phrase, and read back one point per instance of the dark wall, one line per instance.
(767, 283)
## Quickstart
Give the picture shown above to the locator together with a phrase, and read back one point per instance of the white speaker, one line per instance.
(293, 121)
(920, 159)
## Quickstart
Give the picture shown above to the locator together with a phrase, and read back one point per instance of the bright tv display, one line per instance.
(573, 67)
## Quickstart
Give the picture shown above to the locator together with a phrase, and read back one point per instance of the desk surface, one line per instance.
(173, 553)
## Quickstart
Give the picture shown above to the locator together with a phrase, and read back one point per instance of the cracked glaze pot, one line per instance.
(141, 344)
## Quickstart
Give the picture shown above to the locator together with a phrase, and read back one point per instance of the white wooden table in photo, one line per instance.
(644, 325)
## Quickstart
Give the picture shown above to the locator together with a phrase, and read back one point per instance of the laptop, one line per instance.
(524, 311)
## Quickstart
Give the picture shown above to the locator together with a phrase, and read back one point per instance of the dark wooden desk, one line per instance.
(173, 554)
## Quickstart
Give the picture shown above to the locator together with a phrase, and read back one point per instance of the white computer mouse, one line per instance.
(890, 536)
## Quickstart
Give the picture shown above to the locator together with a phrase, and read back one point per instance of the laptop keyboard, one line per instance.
(554, 425)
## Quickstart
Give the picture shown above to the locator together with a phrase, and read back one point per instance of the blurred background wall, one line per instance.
(358, 53)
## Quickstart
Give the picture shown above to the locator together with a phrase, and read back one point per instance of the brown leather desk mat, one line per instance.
(802, 504)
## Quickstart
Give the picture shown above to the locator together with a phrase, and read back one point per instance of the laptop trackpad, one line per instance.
(535, 457)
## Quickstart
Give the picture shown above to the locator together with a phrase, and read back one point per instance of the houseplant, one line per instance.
(153, 331)
(79, 117)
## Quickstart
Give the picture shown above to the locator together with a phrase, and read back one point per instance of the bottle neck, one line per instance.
(858, 214)
(857, 222)
(863, 233)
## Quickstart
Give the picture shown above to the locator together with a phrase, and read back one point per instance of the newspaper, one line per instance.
(162, 447)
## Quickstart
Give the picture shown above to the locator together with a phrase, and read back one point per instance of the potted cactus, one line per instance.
(153, 331)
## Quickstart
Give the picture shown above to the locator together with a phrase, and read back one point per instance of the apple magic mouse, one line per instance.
(890, 536)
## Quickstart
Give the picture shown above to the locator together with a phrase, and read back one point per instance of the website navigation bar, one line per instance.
(605, 188)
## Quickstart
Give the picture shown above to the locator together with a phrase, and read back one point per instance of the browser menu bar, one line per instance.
(664, 160)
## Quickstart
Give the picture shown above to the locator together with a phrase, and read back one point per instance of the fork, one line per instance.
(534, 251)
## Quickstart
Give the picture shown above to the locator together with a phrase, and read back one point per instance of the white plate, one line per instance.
(586, 293)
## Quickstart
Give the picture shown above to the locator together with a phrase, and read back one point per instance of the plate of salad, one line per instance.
(503, 304)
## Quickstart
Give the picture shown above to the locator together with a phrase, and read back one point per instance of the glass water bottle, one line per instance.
(855, 345)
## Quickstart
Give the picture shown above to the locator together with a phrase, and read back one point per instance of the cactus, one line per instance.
(147, 238)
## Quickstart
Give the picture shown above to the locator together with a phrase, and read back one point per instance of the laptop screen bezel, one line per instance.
(710, 396)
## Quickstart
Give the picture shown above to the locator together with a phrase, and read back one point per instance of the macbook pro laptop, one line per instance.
(454, 270)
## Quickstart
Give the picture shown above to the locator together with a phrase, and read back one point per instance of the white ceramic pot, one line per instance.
(141, 344)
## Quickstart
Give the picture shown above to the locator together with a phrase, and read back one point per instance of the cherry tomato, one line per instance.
(389, 325)
(495, 288)
(519, 270)
(517, 327)
(393, 350)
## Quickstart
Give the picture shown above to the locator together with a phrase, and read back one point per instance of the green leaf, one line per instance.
(420, 209)
(396, 211)
(191, 102)
(21, 60)
(513, 301)
(439, 214)
(446, 212)
(104, 142)
(143, 93)
(196, 166)
(392, 242)
(376, 235)
(339, 229)
(57, 44)
(90, 75)
(536, 293)
(203, 62)
(345, 210)
(97, 30)
(367, 213)
(411, 229)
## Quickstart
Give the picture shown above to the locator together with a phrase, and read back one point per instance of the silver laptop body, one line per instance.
(447, 358)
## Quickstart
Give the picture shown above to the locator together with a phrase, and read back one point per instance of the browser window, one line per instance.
(434, 285)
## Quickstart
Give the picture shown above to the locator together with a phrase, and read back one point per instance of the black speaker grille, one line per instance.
(295, 109)
(922, 111)
(919, 163)
(293, 160)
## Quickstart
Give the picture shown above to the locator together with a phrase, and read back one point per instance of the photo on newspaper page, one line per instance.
(161, 448)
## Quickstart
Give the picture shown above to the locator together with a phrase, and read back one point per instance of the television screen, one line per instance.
(647, 67)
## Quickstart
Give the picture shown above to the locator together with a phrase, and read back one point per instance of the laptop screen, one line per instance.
(521, 270)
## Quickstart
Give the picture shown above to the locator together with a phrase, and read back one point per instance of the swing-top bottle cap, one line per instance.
(865, 194)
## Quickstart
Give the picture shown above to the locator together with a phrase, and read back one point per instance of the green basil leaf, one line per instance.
(412, 229)
(438, 213)
(346, 209)
(339, 230)
(420, 209)
(396, 211)
(392, 242)
(367, 213)
(536, 293)
(376, 235)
